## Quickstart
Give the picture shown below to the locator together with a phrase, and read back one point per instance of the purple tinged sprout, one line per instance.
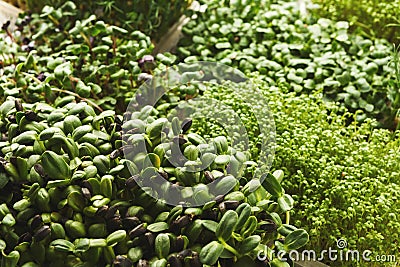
(144, 77)
(6, 25)
(146, 59)
(26, 41)
(147, 63)
(28, 18)
(91, 40)
(41, 77)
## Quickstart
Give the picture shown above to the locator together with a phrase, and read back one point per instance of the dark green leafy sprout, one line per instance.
(84, 58)
(67, 194)
(85, 213)
(154, 18)
(303, 54)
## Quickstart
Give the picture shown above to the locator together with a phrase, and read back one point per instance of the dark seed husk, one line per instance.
(163, 175)
(150, 237)
(86, 193)
(115, 154)
(13, 160)
(131, 182)
(18, 105)
(219, 198)
(174, 261)
(130, 222)
(127, 115)
(39, 169)
(110, 213)
(195, 260)
(183, 221)
(127, 149)
(186, 124)
(178, 244)
(137, 231)
(263, 215)
(179, 140)
(102, 211)
(185, 253)
(6, 25)
(25, 237)
(143, 263)
(174, 228)
(87, 185)
(209, 215)
(114, 224)
(36, 222)
(31, 116)
(269, 227)
(133, 131)
(209, 177)
(12, 118)
(42, 233)
(118, 127)
(121, 261)
(231, 204)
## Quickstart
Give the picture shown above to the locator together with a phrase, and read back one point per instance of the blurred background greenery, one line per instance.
(153, 18)
(372, 18)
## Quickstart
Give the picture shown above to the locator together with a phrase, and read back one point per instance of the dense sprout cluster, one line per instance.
(343, 178)
(75, 189)
(154, 18)
(343, 175)
(304, 54)
(86, 58)
(101, 165)
(69, 197)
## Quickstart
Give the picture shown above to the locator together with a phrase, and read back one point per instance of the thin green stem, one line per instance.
(287, 217)
(78, 96)
(229, 248)
(65, 91)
